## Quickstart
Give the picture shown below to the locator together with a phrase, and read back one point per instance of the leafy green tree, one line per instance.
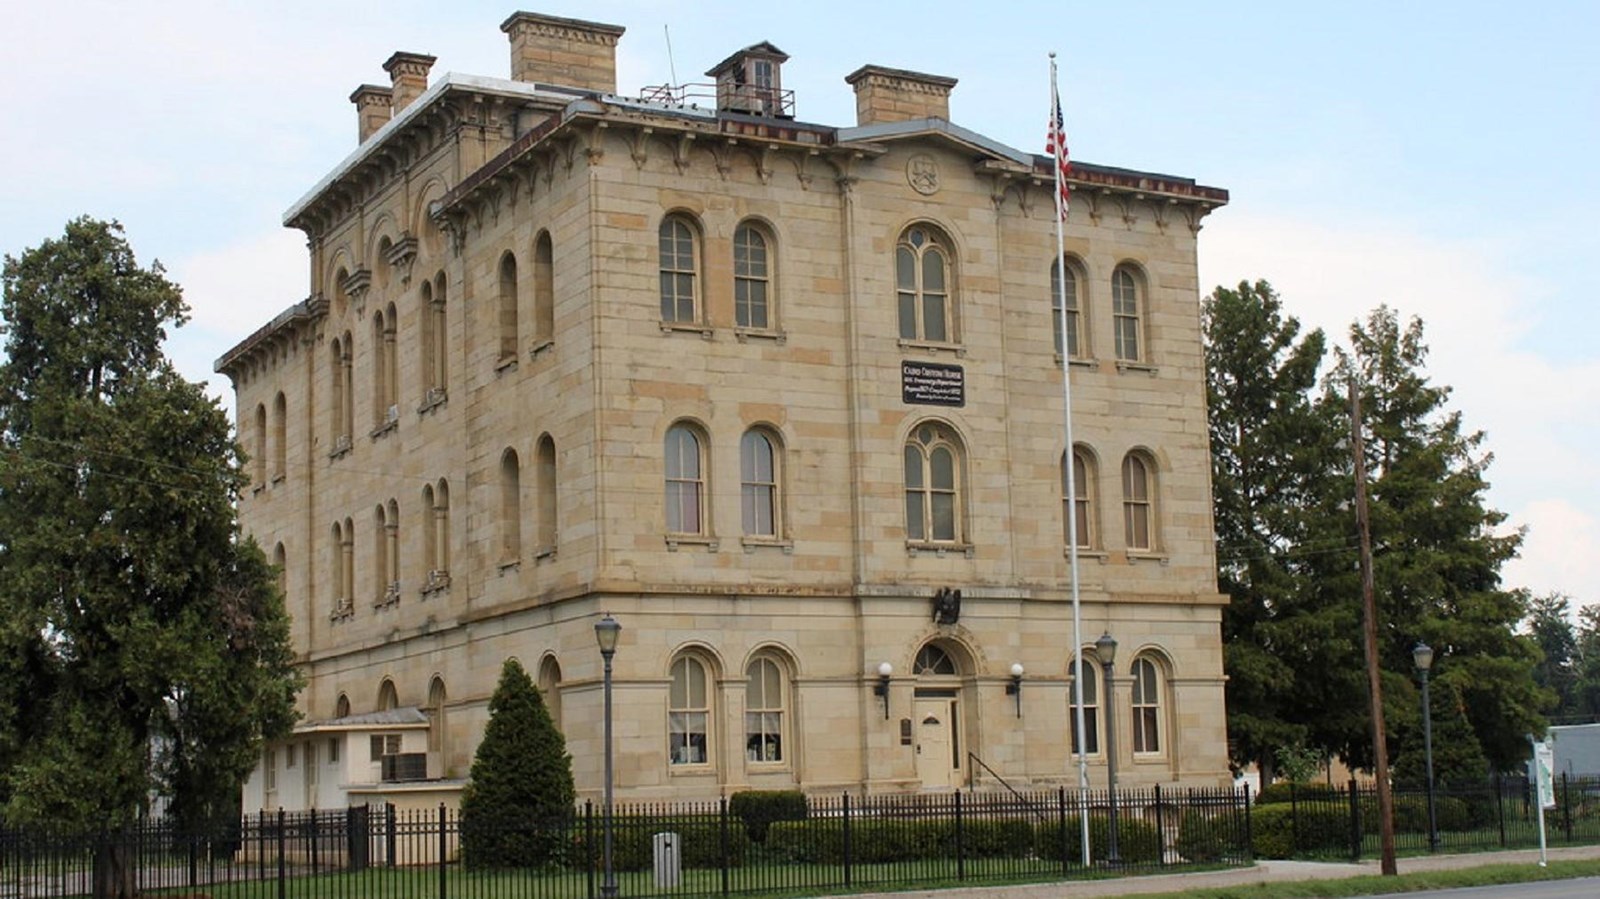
(1270, 450)
(1550, 624)
(1586, 666)
(1437, 551)
(143, 644)
(519, 798)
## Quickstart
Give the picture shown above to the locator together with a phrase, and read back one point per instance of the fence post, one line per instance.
(1355, 822)
(1499, 806)
(1566, 805)
(1161, 831)
(588, 845)
(390, 841)
(961, 856)
(283, 886)
(261, 844)
(194, 860)
(1294, 818)
(722, 834)
(1061, 818)
(847, 847)
(444, 847)
(1249, 837)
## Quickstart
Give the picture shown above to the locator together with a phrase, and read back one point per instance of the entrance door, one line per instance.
(936, 764)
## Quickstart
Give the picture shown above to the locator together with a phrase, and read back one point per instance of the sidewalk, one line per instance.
(1263, 872)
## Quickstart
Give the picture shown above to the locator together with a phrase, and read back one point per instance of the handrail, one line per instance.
(972, 756)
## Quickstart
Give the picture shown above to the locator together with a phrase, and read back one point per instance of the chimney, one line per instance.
(409, 74)
(372, 108)
(566, 52)
(896, 95)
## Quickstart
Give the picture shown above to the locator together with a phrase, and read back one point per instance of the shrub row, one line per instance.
(879, 841)
(699, 842)
(759, 808)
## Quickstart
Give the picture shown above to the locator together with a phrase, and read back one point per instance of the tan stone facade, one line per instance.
(565, 354)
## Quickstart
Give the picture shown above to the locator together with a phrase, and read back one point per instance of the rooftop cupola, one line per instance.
(750, 81)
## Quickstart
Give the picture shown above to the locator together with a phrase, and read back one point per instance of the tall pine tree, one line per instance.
(518, 802)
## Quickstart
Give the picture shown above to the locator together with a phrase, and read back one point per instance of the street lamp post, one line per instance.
(1106, 648)
(1422, 655)
(606, 631)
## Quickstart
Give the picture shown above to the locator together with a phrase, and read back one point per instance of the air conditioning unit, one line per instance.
(405, 766)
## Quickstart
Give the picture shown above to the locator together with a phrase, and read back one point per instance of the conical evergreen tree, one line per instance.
(517, 808)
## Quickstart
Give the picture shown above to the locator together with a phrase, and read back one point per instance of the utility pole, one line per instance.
(1369, 607)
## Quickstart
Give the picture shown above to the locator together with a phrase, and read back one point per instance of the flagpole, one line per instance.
(1070, 466)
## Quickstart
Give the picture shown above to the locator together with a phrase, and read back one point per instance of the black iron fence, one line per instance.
(1322, 821)
(679, 849)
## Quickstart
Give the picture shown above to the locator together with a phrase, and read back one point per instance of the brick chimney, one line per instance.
(372, 108)
(567, 52)
(409, 74)
(896, 95)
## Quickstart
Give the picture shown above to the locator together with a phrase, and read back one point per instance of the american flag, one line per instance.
(1055, 143)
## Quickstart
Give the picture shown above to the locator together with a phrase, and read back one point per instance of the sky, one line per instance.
(1437, 157)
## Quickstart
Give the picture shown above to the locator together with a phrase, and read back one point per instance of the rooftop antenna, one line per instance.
(671, 67)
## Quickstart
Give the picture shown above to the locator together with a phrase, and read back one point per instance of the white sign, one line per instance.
(1544, 763)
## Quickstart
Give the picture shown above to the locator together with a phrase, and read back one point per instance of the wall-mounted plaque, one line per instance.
(933, 384)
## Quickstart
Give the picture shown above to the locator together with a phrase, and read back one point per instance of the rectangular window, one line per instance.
(333, 750)
(385, 744)
(289, 755)
(269, 771)
(688, 744)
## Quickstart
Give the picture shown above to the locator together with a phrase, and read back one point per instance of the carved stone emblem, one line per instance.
(946, 606)
(923, 174)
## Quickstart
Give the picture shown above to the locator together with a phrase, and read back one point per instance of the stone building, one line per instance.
(768, 392)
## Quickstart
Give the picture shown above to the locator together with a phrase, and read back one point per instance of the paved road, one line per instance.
(1581, 888)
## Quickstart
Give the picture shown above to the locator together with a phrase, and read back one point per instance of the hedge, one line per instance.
(699, 841)
(759, 808)
(1276, 831)
(878, 841)
(1137, 839)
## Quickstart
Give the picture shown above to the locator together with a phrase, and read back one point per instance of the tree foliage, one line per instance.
(1287, 543)
(519, 796)
(144, 645)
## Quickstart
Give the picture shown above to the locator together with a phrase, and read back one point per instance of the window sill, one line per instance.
(433, 399)
(341, 447)
(1099, 555)
(258, 488)
(1088, 362)
(1132, 365)
(704, 330)
(690, 769)
(1162, 558)
(509, 567)
(676, 540)
(438, 582)
(504, 364)
(343, 612)
(279, 478)
(919, 547)
(745, 335)
(544, 554)
(931, 346)
(538, 347)
(751, 544)
(390, 597)
(759, 767)
(381, 431)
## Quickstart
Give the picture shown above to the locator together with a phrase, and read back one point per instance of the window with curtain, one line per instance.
(688, 713)
(764, 711)
(1146, 707)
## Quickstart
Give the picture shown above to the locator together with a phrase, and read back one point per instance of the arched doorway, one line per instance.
(940, 668)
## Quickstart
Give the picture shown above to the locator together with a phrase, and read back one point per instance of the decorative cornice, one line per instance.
(525, 23)
(901, 80)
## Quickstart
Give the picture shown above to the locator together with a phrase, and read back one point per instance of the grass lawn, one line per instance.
(1373, 885)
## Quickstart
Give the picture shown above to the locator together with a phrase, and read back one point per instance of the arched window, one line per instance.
(430, 546)
(764, 711)
(388, 698)
(438, 728)
(1091, 705)
(1138, 506)
(1126, 315)
(508, 307)
(336, 569)
(544, 289)
(441, 527)
(342, 367)
(752, 278)
(1146, 707)
(380, 370)
(259, 463)
(382, 555)
(434, 339)
(546, 486)
(391, 536)
(922, 284)
(347, 563)
(280, 437)
(550, 688)
(758, 484)
(932, 659)
(510, 508)
(1064, 296)
(685, 467)
(933, 470)
(341, 706)
(280, 565)
(1081, 505)
(336, 385)
(679, 257)
(689, 713)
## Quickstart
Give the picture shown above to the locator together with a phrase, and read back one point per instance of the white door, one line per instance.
(935, 743)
